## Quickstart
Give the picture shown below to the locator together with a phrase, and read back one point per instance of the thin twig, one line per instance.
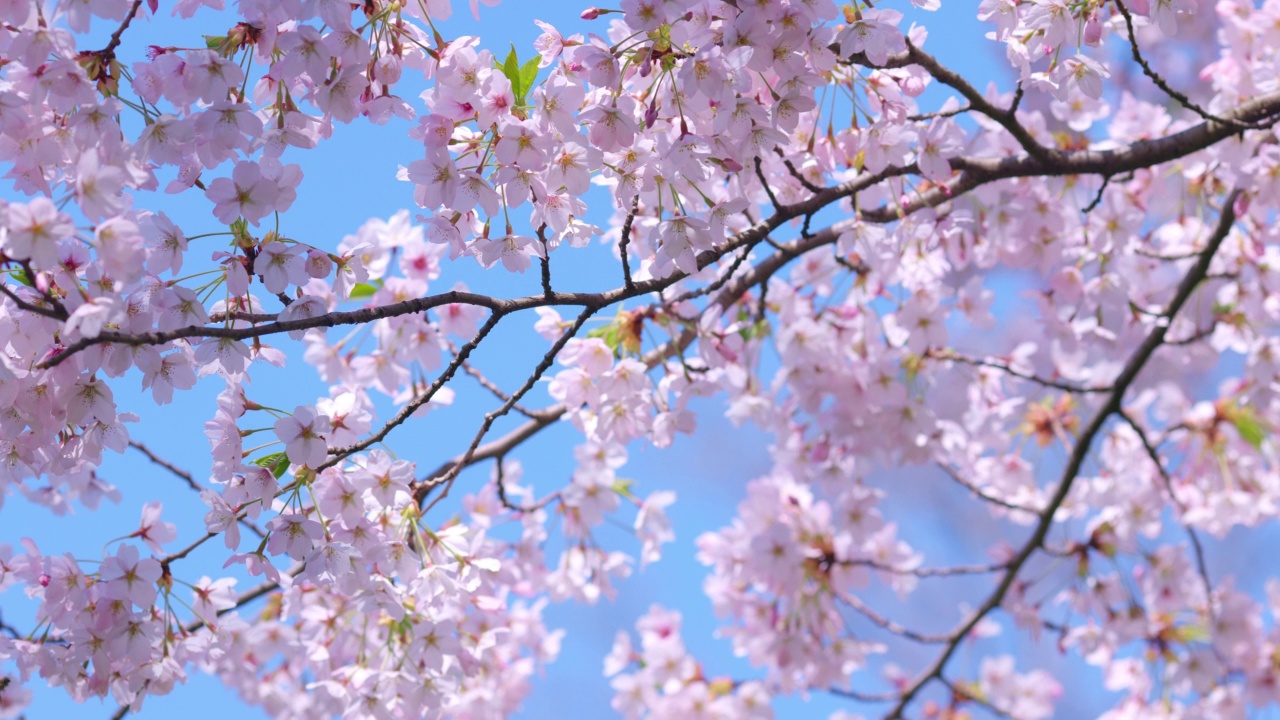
(1112, 404)
(791, 168)
(624, 240)
(942, 354)
(446, 480)
(1164, 86)
(500, 482)
(174, 469)
(545, 261)
(109, 52)
(1197, 547)
(777, 206)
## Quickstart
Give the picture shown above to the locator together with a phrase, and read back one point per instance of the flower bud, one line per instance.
(912, 86)
(1093, 30)
(387, 69)
(318, 264)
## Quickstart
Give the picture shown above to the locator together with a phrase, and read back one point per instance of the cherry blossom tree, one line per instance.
(1053, 295)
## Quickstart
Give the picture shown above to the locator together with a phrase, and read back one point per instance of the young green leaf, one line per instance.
(511, 68)
(364, 290)
(528, 75)
(277, 463)
(1249, 427)
(21, 276)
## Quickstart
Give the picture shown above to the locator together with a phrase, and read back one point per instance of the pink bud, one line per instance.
(912, 86)
(45, 579)
(1093, 30)
(387, 69)
(318, 264)
(591, 13)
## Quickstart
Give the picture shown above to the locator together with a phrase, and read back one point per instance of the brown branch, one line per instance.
(188, 479)
(174, 469)
(940, 114)
(1135, 156)
(547, 416)
(624, 239)
(975, 173)
(778, 207)
(109, 52)
(1075, 462)
(337, 455)
(982, 494)
(961, 695)
(53, 314)
(1164, 86)
(863, 697)
(1197, 548)
(548, 358)
(952, 571)
(500, 481)
(1006, 118)
(888, 625)
(943, 354)
(488, 384)
(544, 261)
(333, 319)
(791, 168)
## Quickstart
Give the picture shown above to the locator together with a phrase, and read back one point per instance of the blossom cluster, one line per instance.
(810, 219)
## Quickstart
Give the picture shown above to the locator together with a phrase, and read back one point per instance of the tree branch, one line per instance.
(1081, 450)
(1164, 86)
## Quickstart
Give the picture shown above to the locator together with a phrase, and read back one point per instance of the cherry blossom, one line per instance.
(1016, 335)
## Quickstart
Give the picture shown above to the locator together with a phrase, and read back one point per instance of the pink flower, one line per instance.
(571, 167)
(256, 564)
(88, 400)
(515, 251)
(296, 535)
(130, 578)
(280, 265)
(875, 34)
(652, 525)
(35, 228)
(209, 596)
(303, 434)
(245, 194)
(221, 518)
(153, 531)
(435, 179)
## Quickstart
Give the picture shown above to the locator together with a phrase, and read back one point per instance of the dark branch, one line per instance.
(1112, 405)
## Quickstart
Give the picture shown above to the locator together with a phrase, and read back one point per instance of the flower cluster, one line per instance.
(1049, 309)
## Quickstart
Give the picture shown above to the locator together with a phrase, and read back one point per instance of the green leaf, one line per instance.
(1190, 633)
(364, 290)
(528, 76)
(609, 334)
(511, 68)
(622, 486)
(1250, 429)
(760, 328)
(277, 463)
(21, 276)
